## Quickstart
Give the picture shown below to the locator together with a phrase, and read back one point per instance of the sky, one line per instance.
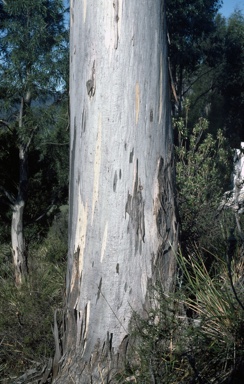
(229, 6)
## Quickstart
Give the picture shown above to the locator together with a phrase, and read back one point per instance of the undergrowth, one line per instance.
(195, 335)
(26, 314)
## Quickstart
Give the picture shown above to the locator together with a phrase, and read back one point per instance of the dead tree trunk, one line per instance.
(123, 230)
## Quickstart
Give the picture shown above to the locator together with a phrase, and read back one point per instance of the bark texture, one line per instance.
(18, 205)
(18, 243)
(123, 229)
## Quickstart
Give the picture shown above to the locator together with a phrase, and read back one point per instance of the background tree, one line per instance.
(206, 60)
(123, 230)
(231, 80)
(189, 25)
(33, 45)
(216, 92)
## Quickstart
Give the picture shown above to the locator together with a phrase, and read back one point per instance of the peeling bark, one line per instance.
(122, 226)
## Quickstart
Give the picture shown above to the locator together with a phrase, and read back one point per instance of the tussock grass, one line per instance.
(194, 335)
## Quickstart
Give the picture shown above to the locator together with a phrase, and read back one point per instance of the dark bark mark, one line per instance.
(86, 324)
(116, 20)
(131, 156)
(125, 287)
(115, 181)
(99, 289)
(165, 201)
(83, 121)
(91, 83)
(107, 348)
(135, 209)
(165, 211)
(151, 115)
(123, 347)
(117, 268)
(120, 174)
(111, 342)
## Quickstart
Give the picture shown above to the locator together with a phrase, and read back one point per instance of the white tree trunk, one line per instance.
(18, 244)
(123, 229)
(18, 206)
(17, 226)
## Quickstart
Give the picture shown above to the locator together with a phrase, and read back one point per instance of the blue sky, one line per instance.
(229, 6)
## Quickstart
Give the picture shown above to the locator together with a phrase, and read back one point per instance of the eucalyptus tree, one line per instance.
(189, 25)
(32, 47)
(122, 226)
(231, 80)
(216, 90)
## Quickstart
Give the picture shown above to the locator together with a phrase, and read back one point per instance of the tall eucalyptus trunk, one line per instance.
(122, 227)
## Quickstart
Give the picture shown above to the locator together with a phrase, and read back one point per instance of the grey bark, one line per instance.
(17, 227)
(123, 230)
(18, 243)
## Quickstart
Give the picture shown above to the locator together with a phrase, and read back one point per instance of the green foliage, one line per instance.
(221, 318)
(32, 47)
(48, 170)
(206, 62)
(203, 170)
(173, 348)
(33, 105)
(189, 24)
(33, 119)
(217, 84)
(48, 167)
(231, 80)
(26, 314)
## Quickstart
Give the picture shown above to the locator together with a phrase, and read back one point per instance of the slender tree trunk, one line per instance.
(17, 227)
(18, 243)
(123, 229)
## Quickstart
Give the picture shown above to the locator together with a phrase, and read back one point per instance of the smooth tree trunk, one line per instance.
(17, 227)
(18, 205)
(18, 243)
(123, 229)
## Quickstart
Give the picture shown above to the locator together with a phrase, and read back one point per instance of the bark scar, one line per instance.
(116, 21)
(91, 83)
(135, 209)
(99, 289)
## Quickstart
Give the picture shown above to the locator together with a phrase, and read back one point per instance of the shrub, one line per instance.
(207, 347)
(203, 168)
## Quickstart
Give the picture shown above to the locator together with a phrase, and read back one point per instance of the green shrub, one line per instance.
(203, 169)
(207, 347)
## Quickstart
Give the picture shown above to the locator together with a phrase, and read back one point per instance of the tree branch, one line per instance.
(27, 145)
(199, 77)
(6, 124)
(9, 196)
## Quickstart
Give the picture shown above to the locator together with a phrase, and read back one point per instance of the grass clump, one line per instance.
(194, 335)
